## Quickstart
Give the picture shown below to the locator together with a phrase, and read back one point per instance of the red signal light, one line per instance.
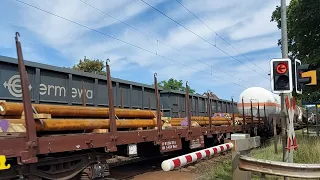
(282, 68)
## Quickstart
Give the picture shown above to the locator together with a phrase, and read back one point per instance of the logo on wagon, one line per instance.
(14, 87)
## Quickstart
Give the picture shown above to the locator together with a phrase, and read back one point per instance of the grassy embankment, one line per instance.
(307, 152)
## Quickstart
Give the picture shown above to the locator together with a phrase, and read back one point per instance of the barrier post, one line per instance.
(243, 118)
(317, 127)
(233, 120)
(258, 113)
(275, 136)
(307, 111)
(243, 144)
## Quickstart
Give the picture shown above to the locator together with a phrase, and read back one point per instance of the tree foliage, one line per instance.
(92, 66)
(173, 84)
(303, 23)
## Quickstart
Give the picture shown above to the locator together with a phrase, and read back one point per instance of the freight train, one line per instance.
(55, 85)
(60, 124)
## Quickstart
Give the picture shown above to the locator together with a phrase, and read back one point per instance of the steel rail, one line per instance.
(285, 169)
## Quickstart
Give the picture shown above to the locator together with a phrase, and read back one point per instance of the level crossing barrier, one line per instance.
(183, 160)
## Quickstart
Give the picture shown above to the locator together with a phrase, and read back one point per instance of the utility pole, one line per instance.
(287, 157)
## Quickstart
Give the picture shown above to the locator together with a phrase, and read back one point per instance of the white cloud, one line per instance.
(258, 23)
(247, 24)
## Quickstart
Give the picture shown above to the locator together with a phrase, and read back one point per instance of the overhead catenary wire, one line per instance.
(102, 33)
(159, 41)
(218, 34)
(214, 45)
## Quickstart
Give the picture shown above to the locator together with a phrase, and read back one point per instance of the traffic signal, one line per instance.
(281, 75)
(299, 80)
(304, 76)
(298, 87)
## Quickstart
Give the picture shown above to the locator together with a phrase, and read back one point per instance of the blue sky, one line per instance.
(244, 24)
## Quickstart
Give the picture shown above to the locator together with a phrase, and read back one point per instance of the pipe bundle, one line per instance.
(68, 118)
(16, 109)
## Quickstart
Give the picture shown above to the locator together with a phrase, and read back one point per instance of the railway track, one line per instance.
(145, 169)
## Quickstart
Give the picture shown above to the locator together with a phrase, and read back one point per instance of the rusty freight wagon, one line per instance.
(48, 130)
(55, 85)
(173, 104)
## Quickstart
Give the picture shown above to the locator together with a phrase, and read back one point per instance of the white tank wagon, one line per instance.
(260, 96)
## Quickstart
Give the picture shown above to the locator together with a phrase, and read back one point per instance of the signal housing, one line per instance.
(281, 75)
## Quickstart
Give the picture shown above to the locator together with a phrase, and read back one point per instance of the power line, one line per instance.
(152, 37)
(218, 34)
(214, 45)
(123, 41)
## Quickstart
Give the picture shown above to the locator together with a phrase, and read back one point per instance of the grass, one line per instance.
(221, 171)
(308, 152)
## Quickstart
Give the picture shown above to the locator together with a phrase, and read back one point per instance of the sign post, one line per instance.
(284, 38)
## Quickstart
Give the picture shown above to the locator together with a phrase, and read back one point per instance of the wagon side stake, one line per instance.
(28, 156)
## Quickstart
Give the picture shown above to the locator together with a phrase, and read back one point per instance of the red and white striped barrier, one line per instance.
(183, 160)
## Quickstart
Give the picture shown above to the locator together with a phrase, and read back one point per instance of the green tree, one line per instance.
(303, 23)
(173, 84)
(92, 66)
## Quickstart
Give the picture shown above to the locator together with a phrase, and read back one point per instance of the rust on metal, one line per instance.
(209, 111)
(52, 144)
(202, 118)
(244, 118)
(264, 110)
(294, 170)
(251, 111)
(16, 109)
(157, 104)
(188, 107)
(201, 123)
(86, 124)
(112, 115)
(32, 142)
(233, 120)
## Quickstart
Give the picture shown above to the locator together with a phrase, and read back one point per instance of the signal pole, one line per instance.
(287, 157)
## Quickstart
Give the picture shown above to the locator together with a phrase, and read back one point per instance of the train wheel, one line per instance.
(96, 171)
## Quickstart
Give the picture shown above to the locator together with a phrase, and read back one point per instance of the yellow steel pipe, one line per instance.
(90, 124)
(11, 109)
(201, 123)
(84, 124)
(202, 118)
